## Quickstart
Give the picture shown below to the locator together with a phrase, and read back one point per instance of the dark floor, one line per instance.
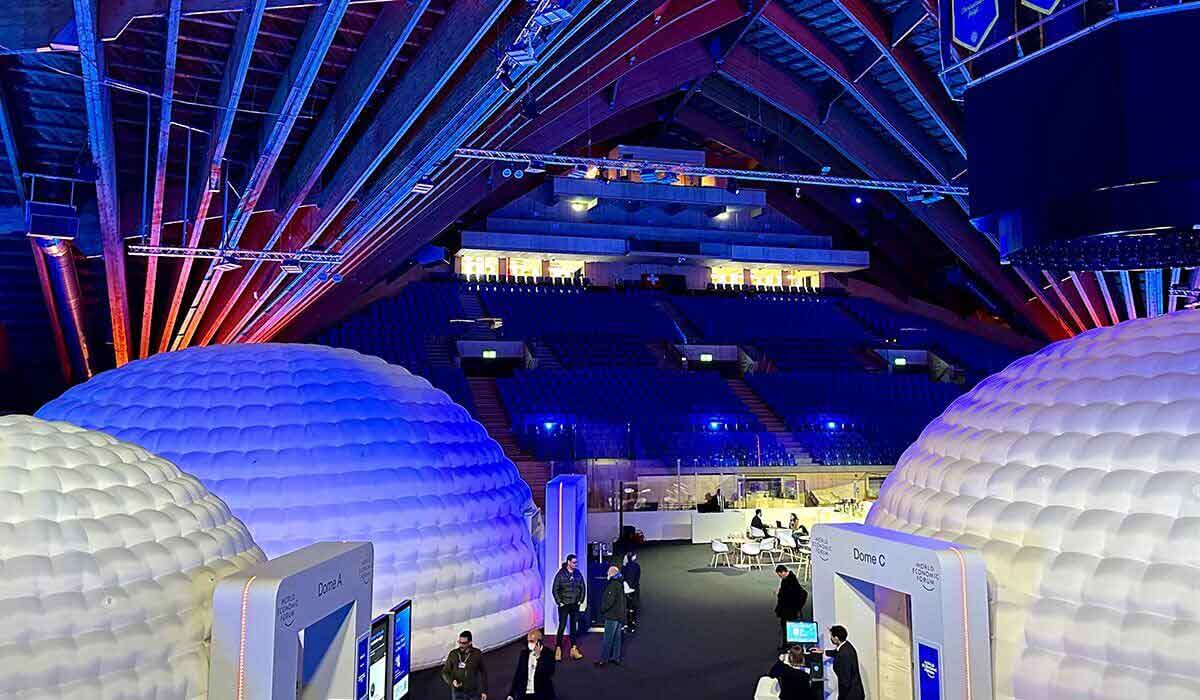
(705, 633)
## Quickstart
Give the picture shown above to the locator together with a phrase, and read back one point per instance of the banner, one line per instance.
(971, 21)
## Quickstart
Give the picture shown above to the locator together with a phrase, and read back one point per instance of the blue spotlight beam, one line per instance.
(288, 100)
(521, 157)
(101, 141)
(174, 15)
(374, 57)
(231, 92)
(446, 49)
(8, 137)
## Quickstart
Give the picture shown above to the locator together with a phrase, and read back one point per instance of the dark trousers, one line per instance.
(633, 604)
(565, 613)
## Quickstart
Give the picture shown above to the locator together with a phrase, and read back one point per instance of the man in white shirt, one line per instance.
(533, 677)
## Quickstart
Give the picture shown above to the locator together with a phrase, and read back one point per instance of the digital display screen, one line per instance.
(802, 633)
(401, 644)
(377, 649)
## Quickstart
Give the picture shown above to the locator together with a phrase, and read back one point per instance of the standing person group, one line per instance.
(570, 595)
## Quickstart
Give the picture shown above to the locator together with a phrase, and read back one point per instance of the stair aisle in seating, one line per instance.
(769, 420)
(438, 350)
(686, 328)
(543, 355)
(495, 418)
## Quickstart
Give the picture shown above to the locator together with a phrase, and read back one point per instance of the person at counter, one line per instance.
(711, 504)
(845, 665)
(757, 520)
(795, 682)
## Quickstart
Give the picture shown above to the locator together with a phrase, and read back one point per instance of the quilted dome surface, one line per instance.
(308, 443)
(109, 556)
(1077, 471)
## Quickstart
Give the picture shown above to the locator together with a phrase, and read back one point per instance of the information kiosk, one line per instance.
(915, 608)
(296, 627)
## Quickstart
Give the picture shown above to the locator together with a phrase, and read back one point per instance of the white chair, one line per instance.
(756, 534)
(767, 689)
(720, 549)
(787, 547)
(751, 553)
(803, 563)
(768, 550)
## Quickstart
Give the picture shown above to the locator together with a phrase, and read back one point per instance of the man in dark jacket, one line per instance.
(464, 671)
(570, 592)
(845, 665)
(612, 609)
(534, 675)
(632, 573)
(789, 601)
(757, 522)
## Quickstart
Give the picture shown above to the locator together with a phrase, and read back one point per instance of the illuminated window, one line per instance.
(766, 277)
(479, 265)
(489, 354)
(524, 267)
(900, 361)
(565, 268)
(706, 357)
(728, 274)
(801, 278)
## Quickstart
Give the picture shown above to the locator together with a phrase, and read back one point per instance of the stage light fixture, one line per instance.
(291, 266)
(506, 80)
(423, 186)
(550, 12)
(825, 169)
(227, 264)
(732, 186)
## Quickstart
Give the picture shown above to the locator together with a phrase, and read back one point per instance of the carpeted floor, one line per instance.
(705, 633)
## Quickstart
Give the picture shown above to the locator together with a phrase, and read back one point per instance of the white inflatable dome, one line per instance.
(308, 443)
(108, 558)
(1077, 471)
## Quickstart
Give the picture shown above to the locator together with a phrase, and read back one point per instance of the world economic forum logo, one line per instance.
(929, 669)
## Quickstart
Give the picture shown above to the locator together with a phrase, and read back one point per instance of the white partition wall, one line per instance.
(294, 628)
(916, 609)
(566, 533)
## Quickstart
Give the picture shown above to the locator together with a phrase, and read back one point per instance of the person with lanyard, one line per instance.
(464, 670)
(533, 677)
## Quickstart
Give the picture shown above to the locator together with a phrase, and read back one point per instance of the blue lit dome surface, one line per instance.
(308, 443)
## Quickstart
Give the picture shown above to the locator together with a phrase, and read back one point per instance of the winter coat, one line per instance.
(569, 587)
(612, 605)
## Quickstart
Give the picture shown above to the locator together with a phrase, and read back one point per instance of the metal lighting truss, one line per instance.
(280, 256)
(523, 51)
(543, 159)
